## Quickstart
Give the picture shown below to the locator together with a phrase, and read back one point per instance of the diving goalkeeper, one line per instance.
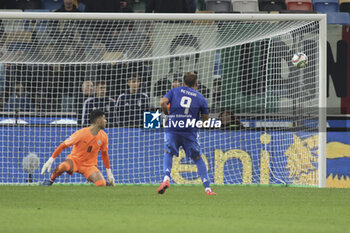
(86, 142)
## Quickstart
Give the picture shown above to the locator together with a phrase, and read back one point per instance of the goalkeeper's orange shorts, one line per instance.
(86, 171)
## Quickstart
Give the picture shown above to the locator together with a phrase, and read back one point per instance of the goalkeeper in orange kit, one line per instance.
(87, 143)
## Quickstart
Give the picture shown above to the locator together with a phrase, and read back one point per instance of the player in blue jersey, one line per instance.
(187, 106)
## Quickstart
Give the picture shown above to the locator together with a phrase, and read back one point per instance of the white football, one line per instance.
(299, 60)
(30, 163)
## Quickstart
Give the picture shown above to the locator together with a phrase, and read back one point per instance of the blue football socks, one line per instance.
(202, 170)
(167, 164)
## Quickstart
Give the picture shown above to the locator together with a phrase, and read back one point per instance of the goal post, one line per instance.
(323, 104)
(57, 67)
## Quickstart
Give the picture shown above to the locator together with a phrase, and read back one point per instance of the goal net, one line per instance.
(56, 68)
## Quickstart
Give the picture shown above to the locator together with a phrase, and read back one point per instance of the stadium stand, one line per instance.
(299, 5)
(221, 6)
(245, 6)
(268, 5)
(331, 8)
(325, 6)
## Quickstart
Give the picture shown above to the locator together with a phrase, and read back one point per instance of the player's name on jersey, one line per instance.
(192, 123)
(188, 92)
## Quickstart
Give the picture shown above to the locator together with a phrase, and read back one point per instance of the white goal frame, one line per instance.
(321, 18)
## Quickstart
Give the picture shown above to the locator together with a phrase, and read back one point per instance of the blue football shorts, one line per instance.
(173, 142)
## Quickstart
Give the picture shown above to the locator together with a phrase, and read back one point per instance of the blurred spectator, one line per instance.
(111, 74)
(167, 6)
(229, 120)
(101, 101)
(127, 5)
(87, 91)
(68, 6)
(131, 104)
(101, 5)
(19, 101)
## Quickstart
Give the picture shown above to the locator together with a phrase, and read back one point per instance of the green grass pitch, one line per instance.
(181, 209)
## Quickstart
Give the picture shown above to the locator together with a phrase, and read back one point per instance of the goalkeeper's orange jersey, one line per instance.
(86, 146)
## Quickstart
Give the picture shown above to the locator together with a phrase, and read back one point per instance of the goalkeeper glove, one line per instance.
(47, 165)
(110, 177)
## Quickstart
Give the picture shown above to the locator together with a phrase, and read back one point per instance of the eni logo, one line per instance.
(302, 158)
(338, 156)
(298, 162)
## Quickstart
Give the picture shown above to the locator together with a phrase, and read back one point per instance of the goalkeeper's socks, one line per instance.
(167, 164)
(60, 169)
(202, 170)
